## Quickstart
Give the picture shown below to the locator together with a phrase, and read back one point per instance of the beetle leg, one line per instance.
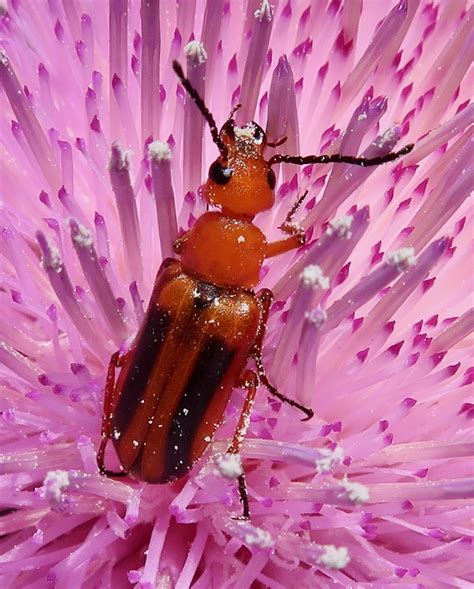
(248, 381)
(178, 244)
(273, 391)
(265, 297)
(287, 223)
(116, 361)
(284, 245)
(296, 232)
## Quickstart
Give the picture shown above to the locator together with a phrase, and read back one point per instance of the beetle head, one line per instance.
(240, 180)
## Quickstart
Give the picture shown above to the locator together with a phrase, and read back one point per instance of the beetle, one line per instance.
(204, 321)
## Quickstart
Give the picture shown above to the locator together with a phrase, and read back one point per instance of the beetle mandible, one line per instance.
(204, 321)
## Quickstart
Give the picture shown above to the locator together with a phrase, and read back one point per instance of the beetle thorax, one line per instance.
(224, 250)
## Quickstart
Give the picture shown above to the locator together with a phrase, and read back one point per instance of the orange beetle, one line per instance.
(204, 321)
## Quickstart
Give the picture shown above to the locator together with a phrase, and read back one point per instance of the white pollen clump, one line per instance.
(356, 492)
(3, 57)
(229, 466)
(293, 225)
(83, 237)
(313, 277)
(341, 227)
(264, 12)
(387, 137)
(38, 536)
(240, 239)
(333, 557)
(258, 537)
(195, 52)
(53, 262)
(159, 151)
(246, 132)
(54, 483)
(328, 459)
(403, 258)
(317, 317)
(119, 158)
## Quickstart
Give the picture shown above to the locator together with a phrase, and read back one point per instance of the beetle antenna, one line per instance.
(338, 158)
(199, 102)
(233, 111)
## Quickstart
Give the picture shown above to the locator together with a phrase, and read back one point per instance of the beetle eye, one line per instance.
(228, 128)
(220, 174)
(271, 179)
(258, 134)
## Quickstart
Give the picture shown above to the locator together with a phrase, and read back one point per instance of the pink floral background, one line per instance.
(377, 489)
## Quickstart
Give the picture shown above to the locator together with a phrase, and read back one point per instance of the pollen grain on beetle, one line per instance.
(218, 220)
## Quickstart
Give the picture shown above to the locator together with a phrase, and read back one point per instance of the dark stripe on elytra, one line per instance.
(210, 368)
(205, 294)
(149, 344)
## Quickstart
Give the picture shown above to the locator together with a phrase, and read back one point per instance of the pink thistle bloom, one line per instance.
(102, 156)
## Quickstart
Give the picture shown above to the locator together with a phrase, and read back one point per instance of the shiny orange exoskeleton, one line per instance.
(204, 321)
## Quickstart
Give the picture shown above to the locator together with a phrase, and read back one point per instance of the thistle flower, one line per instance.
(102, 157)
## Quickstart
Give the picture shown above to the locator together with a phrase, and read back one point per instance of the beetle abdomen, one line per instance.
(175, 385)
